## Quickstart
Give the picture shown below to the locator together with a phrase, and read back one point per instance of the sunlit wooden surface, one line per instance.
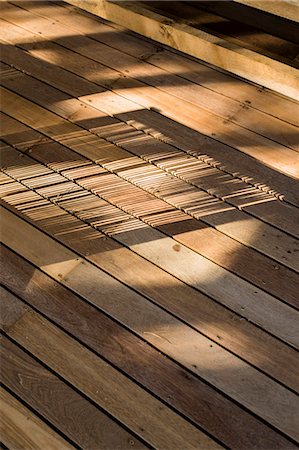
(150, 244)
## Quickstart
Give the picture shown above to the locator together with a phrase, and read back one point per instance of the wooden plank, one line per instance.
(233, 191)
(96, 149)
(191, 306)
(173, 62)
(193, 116)
(20, 428)
(282, 8)
(167, 340)
(282, 284)
(214, 50)
(83, 369)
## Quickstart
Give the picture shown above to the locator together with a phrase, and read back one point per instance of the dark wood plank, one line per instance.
(233, 30)
(275, 25)
(20, 428)
(104, 385)
(162, 377)
(83, 423)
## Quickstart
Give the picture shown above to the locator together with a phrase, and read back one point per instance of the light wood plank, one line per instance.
(219, 156)
(237, 112)
(148, 241)
(214, 50)
(173, 62)
(20, 428)
(147, 96)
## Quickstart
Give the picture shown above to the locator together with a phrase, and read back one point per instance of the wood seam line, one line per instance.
(146, 56)
(173, 414)
(205, 159)
(118, 207)
(19, 214)
(202, 158)
(242, 178)
(78, 390)
(107, 167)
(159, 47)
(226, 119)
(146, 296)
(34, 417)
(162, 29)
(175, 314)
(129, 77)
(12, 333)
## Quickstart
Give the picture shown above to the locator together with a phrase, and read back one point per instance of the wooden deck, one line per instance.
(150, 250)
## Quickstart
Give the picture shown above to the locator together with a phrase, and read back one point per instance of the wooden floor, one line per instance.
(150, 250)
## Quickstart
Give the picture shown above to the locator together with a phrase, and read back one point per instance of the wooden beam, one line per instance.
(207, 47)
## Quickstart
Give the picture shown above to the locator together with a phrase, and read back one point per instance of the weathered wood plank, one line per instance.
(283, 283)
(20, 428)
(67, 360)
(160, 127)
(234, 111)
(99, 290)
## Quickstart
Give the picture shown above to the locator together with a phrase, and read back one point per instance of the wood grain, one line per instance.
(266, 238)
(106, 386)
(247, 168)
(47, 344)
(173, 62)
(201, 174)
(246, 141)
(69, 412)
(193, 307)
(20, 428)
(148, 242)
(80, 276)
